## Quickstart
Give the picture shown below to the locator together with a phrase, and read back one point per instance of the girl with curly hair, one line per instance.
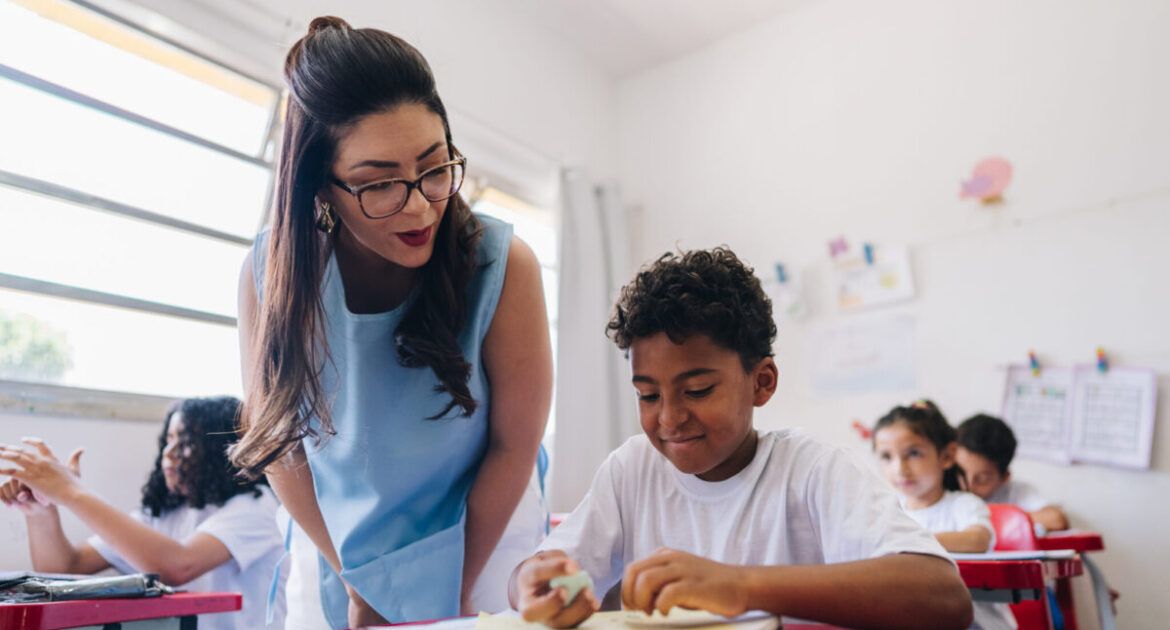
(200, 526)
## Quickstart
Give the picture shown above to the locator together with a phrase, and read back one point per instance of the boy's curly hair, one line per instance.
(698, 292)
(209, 428)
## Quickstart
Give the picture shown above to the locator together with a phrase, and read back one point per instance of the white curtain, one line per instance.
(595, 402)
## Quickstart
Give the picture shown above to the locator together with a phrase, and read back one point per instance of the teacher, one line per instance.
(392, 340)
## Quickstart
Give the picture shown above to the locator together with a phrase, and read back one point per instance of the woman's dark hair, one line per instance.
(337, 75)
(207, 477)
(990, 437)
(924, 418)
(699, 292)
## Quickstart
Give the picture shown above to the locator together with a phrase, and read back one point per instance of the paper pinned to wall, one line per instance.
(1082, 414)
(1037, 408)
(863, 354)
(884, 278)
(1113, 416)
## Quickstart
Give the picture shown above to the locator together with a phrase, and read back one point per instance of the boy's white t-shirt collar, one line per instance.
(701, 490)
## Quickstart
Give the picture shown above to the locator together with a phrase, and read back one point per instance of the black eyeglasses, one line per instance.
(387, 197)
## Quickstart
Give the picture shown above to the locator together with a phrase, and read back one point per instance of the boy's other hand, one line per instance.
(672, 578)
(538, 602)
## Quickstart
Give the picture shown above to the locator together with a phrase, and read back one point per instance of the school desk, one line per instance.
(1009, 577)
(1083, 543)
(176, 612)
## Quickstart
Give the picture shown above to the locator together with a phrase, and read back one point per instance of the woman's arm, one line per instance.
(974, 539)
(49, 548)
(291, 479)
(518, 359)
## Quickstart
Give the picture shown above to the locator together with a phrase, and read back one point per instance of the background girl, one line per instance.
(199, 527)
(916, 448)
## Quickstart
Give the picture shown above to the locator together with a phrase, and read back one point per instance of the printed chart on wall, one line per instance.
(1113, 416)
(1037, 408)
(1083, 414)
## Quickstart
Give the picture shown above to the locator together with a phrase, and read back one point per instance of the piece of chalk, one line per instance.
(573, 584)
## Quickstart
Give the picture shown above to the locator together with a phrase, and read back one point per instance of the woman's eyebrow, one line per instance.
(391, 164)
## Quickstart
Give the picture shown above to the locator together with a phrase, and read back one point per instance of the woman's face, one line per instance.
(173, 453)
(398, 143)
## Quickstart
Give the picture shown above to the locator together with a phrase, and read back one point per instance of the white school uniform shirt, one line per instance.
(1020, 494)
(246, 525)
(799, 501)
(955, 512)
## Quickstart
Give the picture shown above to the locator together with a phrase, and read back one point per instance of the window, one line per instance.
(538, 228)
(133, 175)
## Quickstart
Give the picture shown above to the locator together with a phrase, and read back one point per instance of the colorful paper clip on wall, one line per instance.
(1102, 361)
(1034, 362)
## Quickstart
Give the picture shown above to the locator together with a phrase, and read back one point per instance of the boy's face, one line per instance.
(983, 477)
(695, 402)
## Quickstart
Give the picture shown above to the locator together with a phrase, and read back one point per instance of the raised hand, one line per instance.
(38, 471)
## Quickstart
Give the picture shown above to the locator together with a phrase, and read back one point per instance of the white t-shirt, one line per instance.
(246, 525)
(799, 502)
(955, 512)
(1020, 494)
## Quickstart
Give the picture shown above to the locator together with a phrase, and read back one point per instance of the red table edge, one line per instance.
(102, 611)
(1082, 542)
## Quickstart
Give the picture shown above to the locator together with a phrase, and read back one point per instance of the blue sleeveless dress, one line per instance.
(392, 485)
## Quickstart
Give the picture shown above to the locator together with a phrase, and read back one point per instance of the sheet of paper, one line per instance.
(1059, 554)
(860, 284)
(862, 354)
(1037, 409)
(627, 620)
(1113, 416)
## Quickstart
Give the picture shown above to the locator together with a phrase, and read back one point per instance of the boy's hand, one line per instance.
(673, 578)
(537, 602)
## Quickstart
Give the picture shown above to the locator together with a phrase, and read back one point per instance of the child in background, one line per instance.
(986, 448)
(200, 527)
(704, 512)
(916, 448)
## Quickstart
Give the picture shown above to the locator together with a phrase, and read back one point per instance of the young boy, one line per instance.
(703, 512)
(986, 448)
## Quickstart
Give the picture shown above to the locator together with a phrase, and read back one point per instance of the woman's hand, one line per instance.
(673, 578)
(360, 613)
(40, 471)
(537, 602)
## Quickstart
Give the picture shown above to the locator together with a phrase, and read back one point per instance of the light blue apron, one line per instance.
(392, 485)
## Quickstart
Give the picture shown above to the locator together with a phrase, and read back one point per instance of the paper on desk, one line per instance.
(1058, 554)
(626, 619)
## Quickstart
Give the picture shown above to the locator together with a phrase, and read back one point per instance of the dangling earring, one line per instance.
(326, 218)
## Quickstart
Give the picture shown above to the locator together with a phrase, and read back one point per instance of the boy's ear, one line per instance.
(765, 378)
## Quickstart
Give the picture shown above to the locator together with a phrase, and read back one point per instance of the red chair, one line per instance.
(1014, 532)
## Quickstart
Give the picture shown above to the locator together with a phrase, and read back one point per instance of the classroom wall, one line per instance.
(859, 119)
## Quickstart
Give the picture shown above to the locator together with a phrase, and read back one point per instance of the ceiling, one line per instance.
(629, 36)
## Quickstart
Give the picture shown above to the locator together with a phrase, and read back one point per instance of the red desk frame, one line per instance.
(96, 612)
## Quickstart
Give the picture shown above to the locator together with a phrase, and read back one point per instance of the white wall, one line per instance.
(860, 118)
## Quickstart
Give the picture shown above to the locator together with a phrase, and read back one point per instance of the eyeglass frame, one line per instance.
(411, 186)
